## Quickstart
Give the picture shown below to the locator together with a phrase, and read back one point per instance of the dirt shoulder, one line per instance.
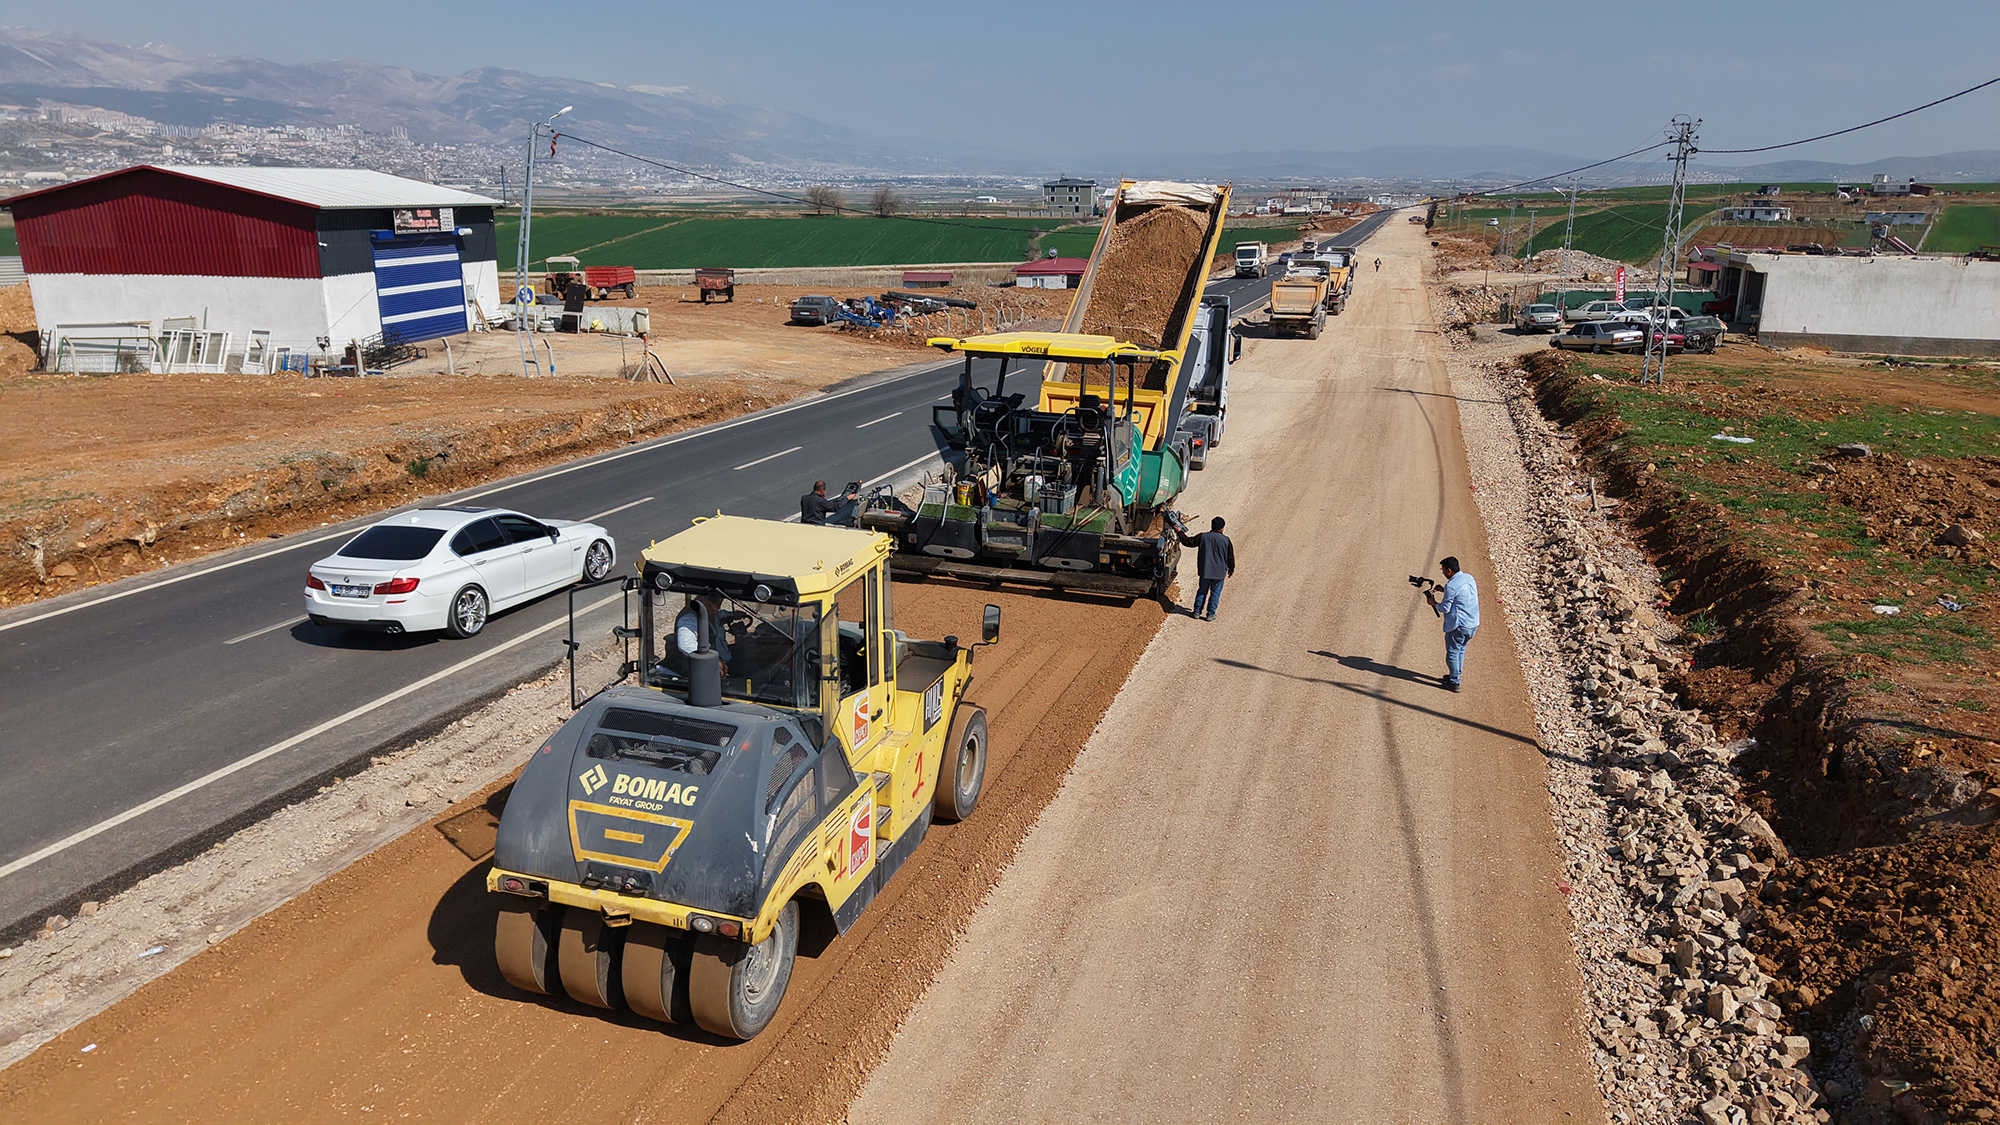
(1844, 603)
(102, 477)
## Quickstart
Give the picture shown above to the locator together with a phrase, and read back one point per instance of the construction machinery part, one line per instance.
(964, 772)
(653, 971)
(734, 989)
(524, 944)
(588, 956)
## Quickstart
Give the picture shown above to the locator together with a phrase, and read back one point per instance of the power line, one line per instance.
(1855, 128)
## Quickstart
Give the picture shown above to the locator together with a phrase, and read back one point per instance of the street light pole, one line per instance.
(524, 296)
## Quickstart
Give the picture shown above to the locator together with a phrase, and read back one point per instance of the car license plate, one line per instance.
(351, 591)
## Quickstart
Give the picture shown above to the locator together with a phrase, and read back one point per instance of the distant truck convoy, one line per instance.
(1251, 258)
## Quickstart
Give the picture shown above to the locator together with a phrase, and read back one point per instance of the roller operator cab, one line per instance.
(782, 751)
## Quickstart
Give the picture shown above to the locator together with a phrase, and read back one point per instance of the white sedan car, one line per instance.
(450, 568)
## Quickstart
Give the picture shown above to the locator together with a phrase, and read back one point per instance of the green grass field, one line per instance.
(9, 244)
(1963, 228)
(660, 242)
(1077, 242)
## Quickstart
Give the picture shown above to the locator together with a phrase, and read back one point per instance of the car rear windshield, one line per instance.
(393, 543)
(673, 742)
(1541, 308)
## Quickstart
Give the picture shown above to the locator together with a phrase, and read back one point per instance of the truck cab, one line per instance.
(781, 753)
(1250, 257)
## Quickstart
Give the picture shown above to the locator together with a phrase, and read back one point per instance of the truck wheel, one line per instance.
(468, 613)
(524, 944)
(628, 291)
(735, 989)
(588, 956)
(1312, 332)
(654, 972)
(962, 773)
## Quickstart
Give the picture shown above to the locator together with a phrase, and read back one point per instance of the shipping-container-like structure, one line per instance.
(177, 268)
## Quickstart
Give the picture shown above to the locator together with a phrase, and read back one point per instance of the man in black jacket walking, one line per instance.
(1215, 561)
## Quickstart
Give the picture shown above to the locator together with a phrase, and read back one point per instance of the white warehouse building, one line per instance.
(213, 269)
(1942, 306)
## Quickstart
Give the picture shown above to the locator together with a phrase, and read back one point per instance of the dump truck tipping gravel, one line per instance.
(1073, 490)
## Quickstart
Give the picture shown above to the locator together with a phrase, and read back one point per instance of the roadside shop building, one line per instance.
(1894, 304)
(1051, 273)
(222, 269)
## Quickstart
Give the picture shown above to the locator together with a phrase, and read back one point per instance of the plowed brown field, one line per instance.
(375, 993)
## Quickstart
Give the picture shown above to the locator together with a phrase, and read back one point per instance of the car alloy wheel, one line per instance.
(468, 612)
(597, 561)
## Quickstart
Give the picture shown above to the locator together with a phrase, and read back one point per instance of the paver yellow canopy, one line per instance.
(781, 754)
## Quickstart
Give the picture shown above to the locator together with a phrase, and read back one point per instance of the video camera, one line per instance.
(1427, 587)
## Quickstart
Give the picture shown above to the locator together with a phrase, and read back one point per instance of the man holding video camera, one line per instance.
(1460, 611)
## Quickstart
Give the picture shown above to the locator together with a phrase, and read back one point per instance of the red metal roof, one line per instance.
(153, 222)
(1070, 267)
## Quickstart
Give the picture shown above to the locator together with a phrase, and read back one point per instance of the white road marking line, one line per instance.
(112, 597)
(267, 629)
(761, 460)
(675, 440)
(615, 511)
(275, 748)
(883, 418)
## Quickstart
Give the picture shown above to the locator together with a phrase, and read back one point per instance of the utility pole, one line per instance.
(1507, 240)
(524, 295)
(1530, 252)
(1569, 232)
(1654, 366)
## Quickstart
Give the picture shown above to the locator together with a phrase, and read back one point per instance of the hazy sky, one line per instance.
(1067, 78)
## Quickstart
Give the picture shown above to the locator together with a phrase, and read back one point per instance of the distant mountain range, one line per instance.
(491, 108)
(488, 106)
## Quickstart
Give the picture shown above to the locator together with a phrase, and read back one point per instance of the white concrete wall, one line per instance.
(482, 284)
(352, 312)
(1891, 297)
(293, 310)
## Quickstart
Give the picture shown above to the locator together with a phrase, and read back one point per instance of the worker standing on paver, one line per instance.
(1460, 611)
(815, 507)
(1215, 561)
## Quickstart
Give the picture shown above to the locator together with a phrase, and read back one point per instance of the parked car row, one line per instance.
(1687, 333)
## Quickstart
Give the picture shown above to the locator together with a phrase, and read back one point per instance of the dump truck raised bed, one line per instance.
(781, 755)
(1073, 491)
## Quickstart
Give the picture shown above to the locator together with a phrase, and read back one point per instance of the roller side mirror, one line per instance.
(989, 628)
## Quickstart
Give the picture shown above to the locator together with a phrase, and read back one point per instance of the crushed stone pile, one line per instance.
(1142, 274)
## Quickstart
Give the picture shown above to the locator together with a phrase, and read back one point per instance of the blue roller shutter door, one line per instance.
(420, 285)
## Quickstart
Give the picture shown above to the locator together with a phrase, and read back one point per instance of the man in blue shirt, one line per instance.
(1460, 610)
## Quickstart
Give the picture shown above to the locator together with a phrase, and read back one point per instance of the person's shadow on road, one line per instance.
(1365, 664)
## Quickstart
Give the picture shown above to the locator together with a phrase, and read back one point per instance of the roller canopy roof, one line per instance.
(811, 560)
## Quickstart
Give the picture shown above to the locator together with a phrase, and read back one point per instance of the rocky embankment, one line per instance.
(1664, 857)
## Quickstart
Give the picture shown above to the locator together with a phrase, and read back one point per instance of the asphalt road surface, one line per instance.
(141, 719)
(1318, 887)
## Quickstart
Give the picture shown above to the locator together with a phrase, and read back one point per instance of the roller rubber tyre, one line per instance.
(596, 561)
(962, 773)
(524, 944)
(468, 612)
(735, 989)
(654, 972)
(587, 954)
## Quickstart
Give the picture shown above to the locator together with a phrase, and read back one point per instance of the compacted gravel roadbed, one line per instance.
(1291, 878)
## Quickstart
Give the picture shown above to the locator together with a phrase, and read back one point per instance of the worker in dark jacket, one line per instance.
(814, 507)
(1215, 560)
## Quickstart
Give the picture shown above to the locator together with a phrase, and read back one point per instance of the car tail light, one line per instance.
(397, 586)
(313, 582)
